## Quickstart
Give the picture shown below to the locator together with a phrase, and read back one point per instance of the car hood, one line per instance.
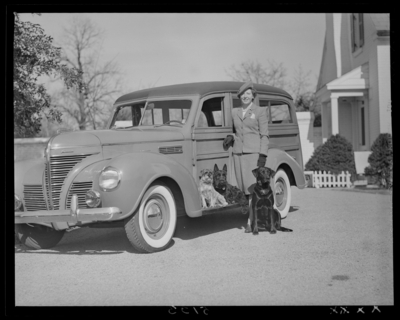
(94, 138)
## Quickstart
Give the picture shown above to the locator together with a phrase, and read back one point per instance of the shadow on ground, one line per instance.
(108, 241)
(191, 228)
(86, 241)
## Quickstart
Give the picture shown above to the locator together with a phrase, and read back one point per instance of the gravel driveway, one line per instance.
(340, 253)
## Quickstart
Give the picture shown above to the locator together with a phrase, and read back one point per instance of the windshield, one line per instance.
(169, 112)
(166, 112)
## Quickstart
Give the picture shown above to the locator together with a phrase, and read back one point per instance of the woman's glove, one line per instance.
(228, 141)
(262, 159)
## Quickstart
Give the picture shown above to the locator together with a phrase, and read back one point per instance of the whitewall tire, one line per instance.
(153, 224)
(283, 193)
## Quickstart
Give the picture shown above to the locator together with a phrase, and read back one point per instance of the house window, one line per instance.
(357, 31)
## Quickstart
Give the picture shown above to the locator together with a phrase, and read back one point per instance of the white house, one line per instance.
(354, 80)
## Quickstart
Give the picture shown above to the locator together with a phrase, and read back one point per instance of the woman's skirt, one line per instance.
(244, 164)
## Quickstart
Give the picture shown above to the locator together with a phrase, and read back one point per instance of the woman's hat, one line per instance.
(245, 86)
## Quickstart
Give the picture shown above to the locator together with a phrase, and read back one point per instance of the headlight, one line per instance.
(17, 203)
(109, 178)
(92, 198)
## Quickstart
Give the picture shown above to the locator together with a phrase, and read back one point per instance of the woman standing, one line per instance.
(250, 145)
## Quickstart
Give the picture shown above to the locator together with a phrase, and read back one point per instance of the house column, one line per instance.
(355, 125)
(335, 115)
(324, 127)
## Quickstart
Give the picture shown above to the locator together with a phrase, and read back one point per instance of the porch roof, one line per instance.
(355, 79)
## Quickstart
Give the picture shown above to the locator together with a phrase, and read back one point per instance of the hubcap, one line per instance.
(156, 216)
(280, 193)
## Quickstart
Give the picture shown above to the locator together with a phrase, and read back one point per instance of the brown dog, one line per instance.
(263, 204)
(209, 197)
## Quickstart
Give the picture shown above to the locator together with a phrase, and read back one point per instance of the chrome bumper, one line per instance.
(72, 215)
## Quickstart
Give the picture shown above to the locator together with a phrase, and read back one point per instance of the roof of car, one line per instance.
(198, 88)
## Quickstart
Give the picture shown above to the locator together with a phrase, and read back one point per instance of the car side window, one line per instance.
(128, 116)
(266, 103)
(278, 111)
(211, 113)
(202, 123)
(236, 103)
(262, 103)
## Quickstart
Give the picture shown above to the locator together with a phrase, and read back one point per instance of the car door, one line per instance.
(209, 131)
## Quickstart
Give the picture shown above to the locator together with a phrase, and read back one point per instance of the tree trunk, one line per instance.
(81, 103)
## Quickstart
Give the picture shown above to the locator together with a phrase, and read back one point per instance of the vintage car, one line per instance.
(141, 172)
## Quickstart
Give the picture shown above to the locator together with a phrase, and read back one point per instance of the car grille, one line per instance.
(80, 189)
(34, 198)
(60, 166)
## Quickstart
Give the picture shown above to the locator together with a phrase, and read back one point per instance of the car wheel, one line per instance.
(36, 236)
(152, 226)
(283, 193)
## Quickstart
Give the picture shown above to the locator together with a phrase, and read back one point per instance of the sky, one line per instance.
(156, 49)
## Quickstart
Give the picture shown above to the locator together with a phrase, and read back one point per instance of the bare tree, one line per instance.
(81, 49)
(301, 91)
(300, 82)
(273, 74)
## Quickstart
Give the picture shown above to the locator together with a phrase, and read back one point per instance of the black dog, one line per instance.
(231, 193)
(263, 204)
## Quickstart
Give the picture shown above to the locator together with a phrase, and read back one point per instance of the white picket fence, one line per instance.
(327, 180)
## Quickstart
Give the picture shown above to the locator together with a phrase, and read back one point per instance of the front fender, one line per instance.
(138, 171)
(277, 157)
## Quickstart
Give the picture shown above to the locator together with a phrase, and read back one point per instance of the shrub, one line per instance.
(381, 161)
(335, 155)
